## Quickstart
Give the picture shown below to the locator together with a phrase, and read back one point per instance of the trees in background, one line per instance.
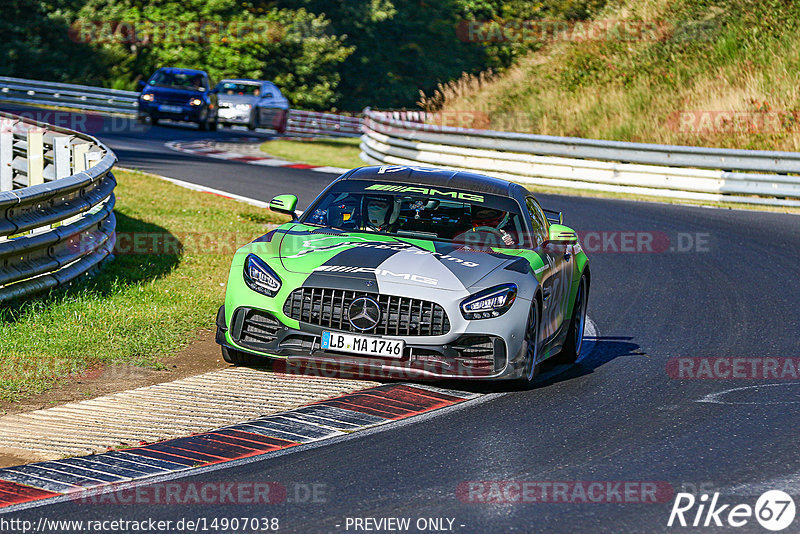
(323, 53)
(226, 38)
(36, 43)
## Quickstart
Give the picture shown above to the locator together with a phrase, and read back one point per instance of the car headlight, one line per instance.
(242, 107)
(489, 303)
(260, 277)
(196, 102)
(148, 97)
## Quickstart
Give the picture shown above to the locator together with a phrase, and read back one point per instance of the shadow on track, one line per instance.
(603, 351)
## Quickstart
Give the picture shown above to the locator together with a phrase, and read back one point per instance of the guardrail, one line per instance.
(304, 123)
(746, 176)
(83, 97)
(87, 98)
(56, 205)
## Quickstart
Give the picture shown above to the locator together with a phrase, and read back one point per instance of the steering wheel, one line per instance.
(488, 230)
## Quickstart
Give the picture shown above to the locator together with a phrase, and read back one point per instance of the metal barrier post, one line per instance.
(6, 157)
(79, 151)
(35, 157)
(61, 156)
(93, 158)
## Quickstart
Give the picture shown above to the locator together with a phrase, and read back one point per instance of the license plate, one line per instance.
(371, 346)
(170, 109)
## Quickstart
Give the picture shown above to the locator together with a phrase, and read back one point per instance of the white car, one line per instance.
(253, 103)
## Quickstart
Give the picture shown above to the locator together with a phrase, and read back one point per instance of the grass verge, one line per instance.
(711, 73)
(338, 152)
(142, 306)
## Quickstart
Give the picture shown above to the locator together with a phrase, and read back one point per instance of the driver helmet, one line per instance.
(483, 216)
(378, 211)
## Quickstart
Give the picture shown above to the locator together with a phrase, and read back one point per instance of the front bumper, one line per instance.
(230, 115)
(186, 113)
(466, 356)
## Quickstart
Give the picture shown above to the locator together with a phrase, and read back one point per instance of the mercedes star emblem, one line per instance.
(364, 314)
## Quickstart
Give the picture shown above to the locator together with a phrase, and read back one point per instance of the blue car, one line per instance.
(180, 95)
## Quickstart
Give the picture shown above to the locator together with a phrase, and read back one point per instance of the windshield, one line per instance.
(179, 80)
(420, 212)
(236, 88)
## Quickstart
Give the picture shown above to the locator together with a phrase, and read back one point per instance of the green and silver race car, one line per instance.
(410, 272)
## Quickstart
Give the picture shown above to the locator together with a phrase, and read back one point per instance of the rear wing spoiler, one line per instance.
(553, 216)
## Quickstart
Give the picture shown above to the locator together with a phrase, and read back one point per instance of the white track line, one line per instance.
(204, 189)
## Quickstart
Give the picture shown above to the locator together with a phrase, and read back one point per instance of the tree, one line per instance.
(36, 43)
(290, 47)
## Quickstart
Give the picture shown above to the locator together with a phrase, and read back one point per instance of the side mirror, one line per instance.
(284, 204)
(562, 235)
(141, 84)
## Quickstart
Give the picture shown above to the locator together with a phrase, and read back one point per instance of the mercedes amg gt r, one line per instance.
(412, 272)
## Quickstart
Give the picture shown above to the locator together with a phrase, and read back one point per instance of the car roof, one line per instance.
(468, 181)
(246, 80)
(179, 69)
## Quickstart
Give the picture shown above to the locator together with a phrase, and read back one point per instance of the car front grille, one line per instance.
(168, 98)
(400, 316)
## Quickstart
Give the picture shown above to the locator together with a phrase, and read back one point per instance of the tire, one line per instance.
(251, 125)
(237, 357)
(212, 126)
(154, 121)
(202, 124)
(531, 347)
(571, 350)
(283, 123)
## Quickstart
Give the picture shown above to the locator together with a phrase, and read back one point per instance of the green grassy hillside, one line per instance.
(711, 73)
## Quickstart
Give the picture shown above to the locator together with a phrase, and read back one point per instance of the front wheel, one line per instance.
(203, 120)
(574, 342)
(531, 348)
(283, 123)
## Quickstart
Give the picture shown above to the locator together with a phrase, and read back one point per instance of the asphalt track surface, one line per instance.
(616, 416)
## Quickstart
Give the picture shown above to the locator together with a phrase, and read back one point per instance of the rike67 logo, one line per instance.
(774, 510)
